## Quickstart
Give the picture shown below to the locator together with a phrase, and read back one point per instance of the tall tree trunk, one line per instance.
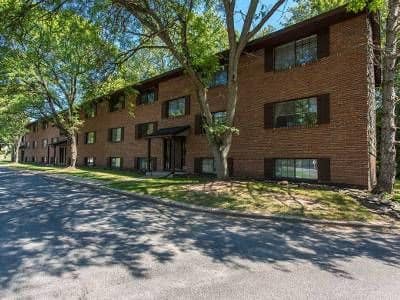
(219, 146)
(16, 149)
(387, 172)
(74, 151)
(371, 43)
(220, 153)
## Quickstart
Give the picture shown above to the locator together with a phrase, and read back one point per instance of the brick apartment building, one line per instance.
(302, 113)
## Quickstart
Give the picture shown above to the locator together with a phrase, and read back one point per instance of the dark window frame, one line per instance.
(110, 138)
(117, 102)
(91, 111)
(199, 126)
(323, 112)
(214, 83)
(139, 129)
(87, 137)
(120, 162)
(298, 179)
(296, 64)
(166, 105)
(86, 162)
(143, 100)
(304, 124)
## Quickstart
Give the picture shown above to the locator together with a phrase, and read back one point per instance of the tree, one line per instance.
(305, 9)
(193, 33)
(13, 118)
(57, 61)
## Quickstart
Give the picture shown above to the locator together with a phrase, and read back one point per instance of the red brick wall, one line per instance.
(344, 140)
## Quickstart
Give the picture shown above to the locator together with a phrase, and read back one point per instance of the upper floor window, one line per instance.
(219, 78)
(91, 111)
(296, 169)
(296, 113)
(45, 125)
(54, 140)
(90, 137)
(145, 129)
(176, 108)
(44, 143)
(295, 53)
(219, 117)
(147, 97)
(116, 135)
(117, 102)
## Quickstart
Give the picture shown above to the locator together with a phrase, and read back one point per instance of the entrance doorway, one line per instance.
(174, 153)
(63, 154)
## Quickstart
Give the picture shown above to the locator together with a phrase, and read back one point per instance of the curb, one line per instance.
(218, 211)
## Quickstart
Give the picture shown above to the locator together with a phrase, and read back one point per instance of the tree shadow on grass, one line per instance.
(58, 228)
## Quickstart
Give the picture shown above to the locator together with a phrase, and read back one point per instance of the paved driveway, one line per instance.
(68, 241)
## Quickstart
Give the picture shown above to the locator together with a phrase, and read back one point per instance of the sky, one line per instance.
(276, 18)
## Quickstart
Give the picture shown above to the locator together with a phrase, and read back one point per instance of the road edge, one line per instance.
(211, 210)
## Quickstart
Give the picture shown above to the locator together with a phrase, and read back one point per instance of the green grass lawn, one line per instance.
(397, 191)
(254, 196)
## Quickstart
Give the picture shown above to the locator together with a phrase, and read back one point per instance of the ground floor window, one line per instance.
(116, 162)
(208, 166)
(296, 169)
(90, 161)
(142, 163)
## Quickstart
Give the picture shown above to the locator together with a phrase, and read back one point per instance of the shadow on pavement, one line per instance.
(60, 227)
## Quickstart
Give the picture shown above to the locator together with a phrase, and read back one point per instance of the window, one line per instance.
(145, 129)
(220, 78)
(34, 143)
(219, 117)
(296, 169)
(90, 137)
(208, 166)
(176, 108)
(295, 53)
(295, 113)
(148, 97)
(116, 134)
(117, 102)
(90, 161)
(54, 140)
(44, 143)
(116, 162)
(91, 111)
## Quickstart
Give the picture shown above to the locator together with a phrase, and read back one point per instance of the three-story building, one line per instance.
(302, 112)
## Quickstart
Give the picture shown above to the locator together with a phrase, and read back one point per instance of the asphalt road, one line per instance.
(60, 240)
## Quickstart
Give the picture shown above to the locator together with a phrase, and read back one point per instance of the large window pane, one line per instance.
(176, 107)
(296, 169)
(284, 56)
(306, 50)
(220, 78)
(116, 162)
(148, 97)
(207, 166)
(116, 134)
(295, 113)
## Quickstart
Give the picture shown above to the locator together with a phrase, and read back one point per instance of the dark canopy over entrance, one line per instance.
(174, 147)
